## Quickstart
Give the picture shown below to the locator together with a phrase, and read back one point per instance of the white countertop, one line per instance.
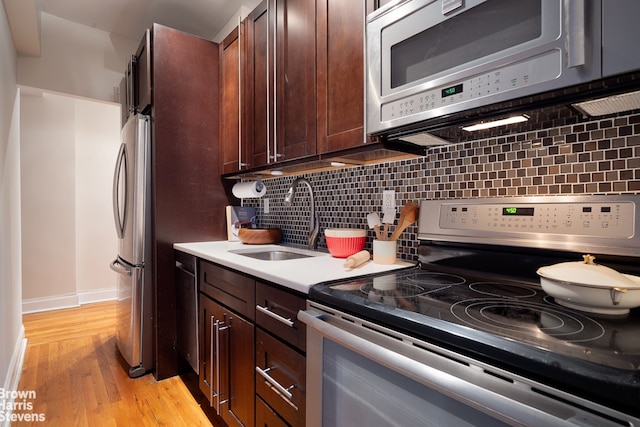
(298, 274)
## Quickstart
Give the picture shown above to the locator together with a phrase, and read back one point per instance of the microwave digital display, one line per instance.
(453, 90)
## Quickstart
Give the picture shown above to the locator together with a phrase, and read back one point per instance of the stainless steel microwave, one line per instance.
(433, 58)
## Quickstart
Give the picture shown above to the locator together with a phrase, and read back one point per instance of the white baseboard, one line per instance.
(57, 302)
(12, 380)
(99, 295)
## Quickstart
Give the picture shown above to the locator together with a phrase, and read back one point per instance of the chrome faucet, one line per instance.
(314, 225)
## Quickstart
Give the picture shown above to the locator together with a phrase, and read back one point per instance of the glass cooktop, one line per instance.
(516, 311)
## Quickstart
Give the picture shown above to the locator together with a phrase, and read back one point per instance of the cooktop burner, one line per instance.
(519, 312)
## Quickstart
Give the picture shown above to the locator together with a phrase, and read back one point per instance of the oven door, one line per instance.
(429, 58)
(359, 373)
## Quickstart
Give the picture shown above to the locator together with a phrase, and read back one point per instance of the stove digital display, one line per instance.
(513, 211)
(453, 90)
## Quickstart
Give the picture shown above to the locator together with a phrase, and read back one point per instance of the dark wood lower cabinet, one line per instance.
(252, 374)
(265, 417)
(226, 362)
(283, 384)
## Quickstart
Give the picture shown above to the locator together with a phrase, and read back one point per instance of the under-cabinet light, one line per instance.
(496, 123)
(338, 164)
(276, 173)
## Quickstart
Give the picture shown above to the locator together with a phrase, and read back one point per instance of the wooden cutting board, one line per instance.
(260, 236)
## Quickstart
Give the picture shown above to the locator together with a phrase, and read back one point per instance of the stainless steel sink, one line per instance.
(271, 254)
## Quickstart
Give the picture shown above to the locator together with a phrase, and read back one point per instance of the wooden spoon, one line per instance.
(408, 216)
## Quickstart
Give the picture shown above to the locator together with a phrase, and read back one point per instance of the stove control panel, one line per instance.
(572, 221)
(586, 219)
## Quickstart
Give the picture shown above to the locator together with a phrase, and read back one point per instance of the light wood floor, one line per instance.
(73, 366)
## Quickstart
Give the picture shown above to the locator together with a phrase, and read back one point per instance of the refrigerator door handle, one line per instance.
(119, 212)
(120, 268)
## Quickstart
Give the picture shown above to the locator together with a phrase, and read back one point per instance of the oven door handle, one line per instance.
(497, 405)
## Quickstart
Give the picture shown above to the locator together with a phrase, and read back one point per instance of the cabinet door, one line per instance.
(258, 97)
(227, 362)
(142, 91)
(280, 75)
(237, 407)
(124, 104)
(231, 66)
(340, 74)
(208, 313)
(295, 70)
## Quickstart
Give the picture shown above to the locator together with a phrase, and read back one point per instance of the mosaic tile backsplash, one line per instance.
(594, 157)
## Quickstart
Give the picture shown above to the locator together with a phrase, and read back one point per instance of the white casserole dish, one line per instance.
(591, 287)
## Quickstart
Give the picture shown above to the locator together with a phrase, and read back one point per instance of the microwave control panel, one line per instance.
(532, 71)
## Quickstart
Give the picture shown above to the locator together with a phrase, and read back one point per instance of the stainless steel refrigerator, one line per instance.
(132, 214)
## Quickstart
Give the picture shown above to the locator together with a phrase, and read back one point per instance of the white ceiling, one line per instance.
(129, 18)
(204, 18)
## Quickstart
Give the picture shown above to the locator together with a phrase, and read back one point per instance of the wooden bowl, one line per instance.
(260, 236)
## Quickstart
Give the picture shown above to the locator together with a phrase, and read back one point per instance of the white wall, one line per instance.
(68, 150)
(11, 330)
(233, 22)
(97, 128)
(77, 60)
(47, 155)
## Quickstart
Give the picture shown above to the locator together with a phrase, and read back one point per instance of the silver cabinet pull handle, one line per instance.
(268, 93)
(284, 391)
(218, 327)
(240, 163)
(213, 393)
(275, 82)
(270, 313)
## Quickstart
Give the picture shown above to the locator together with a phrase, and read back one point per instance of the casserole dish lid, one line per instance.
(588, 273)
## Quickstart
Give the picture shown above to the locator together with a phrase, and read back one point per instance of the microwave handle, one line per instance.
(575, 10)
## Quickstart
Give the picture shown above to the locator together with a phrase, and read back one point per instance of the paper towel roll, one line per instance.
(249, 189)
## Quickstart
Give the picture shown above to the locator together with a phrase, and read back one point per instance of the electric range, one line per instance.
(475, 291)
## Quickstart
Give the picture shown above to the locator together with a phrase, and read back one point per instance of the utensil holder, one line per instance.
(384, 251)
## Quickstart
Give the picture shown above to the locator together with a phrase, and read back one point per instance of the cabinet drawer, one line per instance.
(266, 417)
(229, 288)
(279, 364)
(277, 310)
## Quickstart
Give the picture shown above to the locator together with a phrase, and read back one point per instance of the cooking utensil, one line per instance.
(590, 287)
(357, 259)
(374, 222)
(388, 218)
(408, 216)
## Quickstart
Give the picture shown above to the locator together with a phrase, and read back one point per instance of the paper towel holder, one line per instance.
(259, 184)
(249, 189)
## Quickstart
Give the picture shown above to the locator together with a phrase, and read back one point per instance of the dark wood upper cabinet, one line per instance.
(280, 81)
(232, 155)
(300, 86)
(142, 75)
(340, 75)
